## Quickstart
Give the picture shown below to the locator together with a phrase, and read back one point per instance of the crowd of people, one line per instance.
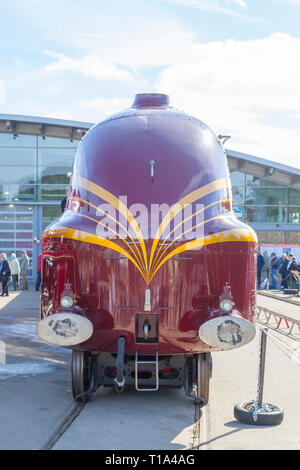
(17, 270)
(279, 272)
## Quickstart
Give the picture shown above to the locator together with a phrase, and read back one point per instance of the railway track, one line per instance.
(199, 426)
(280, 323)
(71, 413)
(76, 407)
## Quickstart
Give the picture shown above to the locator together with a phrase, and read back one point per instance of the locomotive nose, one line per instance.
(227, 332)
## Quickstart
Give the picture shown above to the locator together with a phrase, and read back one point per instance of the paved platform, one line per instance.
(35, 379)
(35, 391)
(279, 295)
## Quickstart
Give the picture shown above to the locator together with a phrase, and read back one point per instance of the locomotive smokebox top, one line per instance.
(151, 100)
(150, 153)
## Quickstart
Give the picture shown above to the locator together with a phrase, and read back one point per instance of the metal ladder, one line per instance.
(137, 362)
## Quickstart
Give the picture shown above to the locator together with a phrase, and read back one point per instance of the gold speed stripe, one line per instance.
(76, 198)
(113, 231)
(114, 201)
(182, 222)
(233, 235)
(188, 199)
(173, 241)
(86, 237)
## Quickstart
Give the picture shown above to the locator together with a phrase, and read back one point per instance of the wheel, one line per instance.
(83, 375)
(269, 415)
(203, 369)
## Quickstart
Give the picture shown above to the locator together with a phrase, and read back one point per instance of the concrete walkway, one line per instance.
(35, 378)
(35, 391)
(279, 295)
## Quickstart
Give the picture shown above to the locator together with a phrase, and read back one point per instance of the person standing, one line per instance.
(15, 270)
(266, 266)
(284, 271)
(274, 269)
(260, 263)
(38, 272)
(5, 274)
(292, 267)
(24, 265)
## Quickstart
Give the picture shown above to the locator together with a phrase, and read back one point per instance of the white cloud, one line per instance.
(144, 45)
(240, 3)
(89, 66)
(218, 6)
(292, 2)
(106, 106)
(59, 113)
(247, 89)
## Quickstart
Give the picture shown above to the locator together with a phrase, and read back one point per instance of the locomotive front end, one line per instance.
(148, 270)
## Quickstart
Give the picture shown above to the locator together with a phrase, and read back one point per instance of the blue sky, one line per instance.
(235, 64)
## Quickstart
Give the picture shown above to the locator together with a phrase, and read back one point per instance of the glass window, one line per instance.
(6, 216)
(57, 142)
(6, 244)
(24, 226)
(294, 215)
(267, 214)
(252, 180)
(17, 175)
(294, 197)
(52, 175)
(6, 226)
(276, 214)
(237, 178)
(17, 157)
(255, 214)
(11, 210)
(51, 213)
(17, 192)
(238, 193)
(23, 140)
(24, 245)
(26, 192)
(266, 196)
(52, 192)
(24, 235)
(56, 157)
(7, 207)
(24, 217)
(21, 208)
(6, 235)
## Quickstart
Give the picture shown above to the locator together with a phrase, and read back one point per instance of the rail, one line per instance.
(278, 322)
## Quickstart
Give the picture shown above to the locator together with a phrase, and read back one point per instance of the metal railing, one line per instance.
(284, 325)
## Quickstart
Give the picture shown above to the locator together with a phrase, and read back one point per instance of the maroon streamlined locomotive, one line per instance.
(148, 270)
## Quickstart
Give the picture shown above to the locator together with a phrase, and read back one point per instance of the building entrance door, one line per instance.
(16, 231)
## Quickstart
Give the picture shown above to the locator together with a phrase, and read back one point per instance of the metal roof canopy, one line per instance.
(49, 127)
(45, 127)
(263, 168)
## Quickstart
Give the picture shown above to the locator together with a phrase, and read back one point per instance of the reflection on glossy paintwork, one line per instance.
(107, 252)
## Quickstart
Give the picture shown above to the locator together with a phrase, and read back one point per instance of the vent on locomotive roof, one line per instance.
(151, 100)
